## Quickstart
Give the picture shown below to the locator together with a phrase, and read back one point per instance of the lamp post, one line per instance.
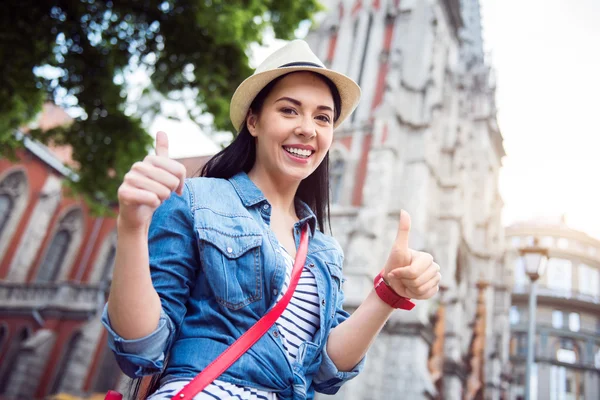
(534, 258)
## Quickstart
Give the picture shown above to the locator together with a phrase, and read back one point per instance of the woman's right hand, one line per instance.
(147, 184)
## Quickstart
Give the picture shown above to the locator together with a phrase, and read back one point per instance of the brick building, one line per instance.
(55, 267)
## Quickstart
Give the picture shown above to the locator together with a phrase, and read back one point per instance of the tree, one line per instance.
(76, 53)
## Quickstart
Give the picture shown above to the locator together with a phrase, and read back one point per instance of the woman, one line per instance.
(195, 270)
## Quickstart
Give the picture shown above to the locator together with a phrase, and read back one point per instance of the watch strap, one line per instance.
(387, 294)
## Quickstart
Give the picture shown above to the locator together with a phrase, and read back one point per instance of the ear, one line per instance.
(251, 121)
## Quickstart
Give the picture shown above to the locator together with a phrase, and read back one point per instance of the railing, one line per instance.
(65, 296)
(558, 293)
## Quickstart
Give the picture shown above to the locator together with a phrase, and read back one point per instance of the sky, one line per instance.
(546, 54)
(547, 57)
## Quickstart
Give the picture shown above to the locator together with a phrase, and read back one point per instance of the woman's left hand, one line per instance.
(410, 273)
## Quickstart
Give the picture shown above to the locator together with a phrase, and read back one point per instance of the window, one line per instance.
(55, 255)
(574, 323)
(61, 247)
(589, 280)
(559, 276)
(547, 241)
(514, 315)
(107, 267)
(67, 359)
(529, 241)
(6, 206)
(557, 319)
(566, 383)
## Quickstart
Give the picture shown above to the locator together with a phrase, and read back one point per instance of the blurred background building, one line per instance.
(424, 138)
(567, 342)
(55, 266)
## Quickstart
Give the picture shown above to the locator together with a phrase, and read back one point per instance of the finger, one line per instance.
(172, 166)
(403, 231)
(427, 286)
(420, 261)
(432, 292)
(162, 144)
(422, 277)
(159, 175)
(128, 195)
(426, 291)
(139, 181)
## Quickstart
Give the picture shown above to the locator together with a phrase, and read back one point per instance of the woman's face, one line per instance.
(294, 129)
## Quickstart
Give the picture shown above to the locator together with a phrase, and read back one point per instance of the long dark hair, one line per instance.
(240, 156)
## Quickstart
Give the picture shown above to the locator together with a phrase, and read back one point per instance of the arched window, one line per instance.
(107, 267)
(60, 246)
(3, 336)
(336, 176)
(6, 206)
(11, 357)
(54, 258)
(108, 373)
(67, 359)
(13, 199)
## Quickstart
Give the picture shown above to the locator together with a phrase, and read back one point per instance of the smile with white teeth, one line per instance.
(298, 152)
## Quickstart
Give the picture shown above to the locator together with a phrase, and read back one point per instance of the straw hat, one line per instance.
(295, 56)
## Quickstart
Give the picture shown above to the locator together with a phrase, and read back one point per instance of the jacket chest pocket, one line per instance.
(232, 266)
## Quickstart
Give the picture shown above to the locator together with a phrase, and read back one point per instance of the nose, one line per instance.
(306, 128)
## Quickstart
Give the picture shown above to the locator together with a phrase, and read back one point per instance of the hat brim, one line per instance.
(246, 92)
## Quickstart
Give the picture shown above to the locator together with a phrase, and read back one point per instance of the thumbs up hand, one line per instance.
(147, 184)
(410, 273)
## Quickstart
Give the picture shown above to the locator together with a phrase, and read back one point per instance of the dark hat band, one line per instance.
(301, 64)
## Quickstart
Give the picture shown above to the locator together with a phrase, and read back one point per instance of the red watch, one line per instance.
(387, 294)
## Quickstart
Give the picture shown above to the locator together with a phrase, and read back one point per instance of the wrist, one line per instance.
(123, 228)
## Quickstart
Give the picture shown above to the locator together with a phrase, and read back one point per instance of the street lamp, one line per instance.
(534, 258)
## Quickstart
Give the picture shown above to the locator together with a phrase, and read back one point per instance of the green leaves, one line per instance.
(197, 46)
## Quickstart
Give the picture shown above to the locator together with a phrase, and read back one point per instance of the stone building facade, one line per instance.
(567, 345)
(424, 138)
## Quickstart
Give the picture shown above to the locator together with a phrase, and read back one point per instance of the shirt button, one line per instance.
(229, 250)
(311, 265)
(275, 291)
(323, 302)
(266, 207)
(276, 334)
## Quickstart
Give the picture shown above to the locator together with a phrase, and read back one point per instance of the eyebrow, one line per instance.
(299, 104)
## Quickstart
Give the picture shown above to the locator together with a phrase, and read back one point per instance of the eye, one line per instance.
(324, 118)
(288, 110)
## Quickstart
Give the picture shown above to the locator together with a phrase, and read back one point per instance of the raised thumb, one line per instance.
(162, 144)
(403, 231)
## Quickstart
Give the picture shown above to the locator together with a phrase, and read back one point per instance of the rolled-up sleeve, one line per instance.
(143, 356)
(174, 261)
(329, 378)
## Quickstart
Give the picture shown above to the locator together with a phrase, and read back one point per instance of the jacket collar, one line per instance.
(251, 195)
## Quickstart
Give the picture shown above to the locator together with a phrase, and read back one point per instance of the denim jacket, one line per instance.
(214, 265)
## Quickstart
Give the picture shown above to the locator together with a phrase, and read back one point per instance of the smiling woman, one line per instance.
(221, 276)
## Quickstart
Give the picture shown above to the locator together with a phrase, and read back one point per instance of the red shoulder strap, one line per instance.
(251, 336)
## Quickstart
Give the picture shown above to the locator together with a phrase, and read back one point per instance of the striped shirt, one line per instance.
(298, 323)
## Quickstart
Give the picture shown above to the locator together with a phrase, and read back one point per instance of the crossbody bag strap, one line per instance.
(251, 336)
